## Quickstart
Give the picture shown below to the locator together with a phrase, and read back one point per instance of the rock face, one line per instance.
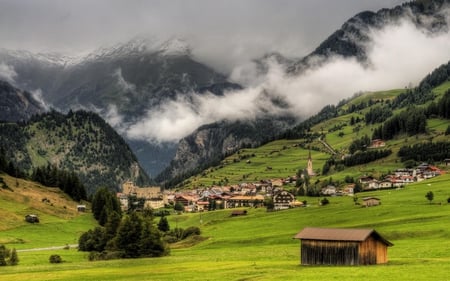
(351, 39)
(17, 105)
(210, 143)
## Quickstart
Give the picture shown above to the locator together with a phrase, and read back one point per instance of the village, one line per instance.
(257, 194)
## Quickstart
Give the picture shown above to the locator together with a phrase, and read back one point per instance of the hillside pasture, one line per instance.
(259, 246)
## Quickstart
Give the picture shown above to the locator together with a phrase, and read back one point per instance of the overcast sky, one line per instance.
(234, 29)
(226, 35)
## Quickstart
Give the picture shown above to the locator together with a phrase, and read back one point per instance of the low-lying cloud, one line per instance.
(7, 73)
(398, 55)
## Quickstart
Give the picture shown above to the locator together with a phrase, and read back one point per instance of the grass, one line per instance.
(259, 246)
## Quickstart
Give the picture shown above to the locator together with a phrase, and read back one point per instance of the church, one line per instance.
(309, 167)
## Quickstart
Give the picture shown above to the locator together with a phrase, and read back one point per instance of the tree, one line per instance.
(430, 196)
(104, 203)
(179, 207)
(163, 224)
(269, 204)
(13, 259)
(128, 236)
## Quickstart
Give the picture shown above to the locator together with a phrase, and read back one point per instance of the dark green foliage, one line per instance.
(163, 224)
(412, 121)
(429, 196)
(423, 152)
(104, 203)
(324, 201)
(360, 144)
(192, 230)
(128, 236)
(179, 207)
(55, 259)
(302, 130)
(447, 132)
(442, 108)
(7, 256)
(14, 258)
(83, 141)
(66, 181)
(378, 114)
(93, 240)
(268, 202)
(365, 157)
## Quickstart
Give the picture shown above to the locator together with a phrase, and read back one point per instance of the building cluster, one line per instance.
(399, 178)
(216, 197)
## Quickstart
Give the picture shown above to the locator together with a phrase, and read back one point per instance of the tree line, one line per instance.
(67, 181)
(425, 152)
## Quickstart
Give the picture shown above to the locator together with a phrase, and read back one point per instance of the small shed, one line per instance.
(334, 246)
(236, 213)
(371, 201)
(31, 218)
(81, 208)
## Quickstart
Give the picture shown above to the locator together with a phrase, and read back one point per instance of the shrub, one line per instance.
(324, 201)
(192, 230)
(55, 259)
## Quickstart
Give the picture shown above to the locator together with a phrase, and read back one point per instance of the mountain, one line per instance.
(410, 126)
(352, 38)
(210, 143)
(78, 141)
(17, 105)
(133, 78)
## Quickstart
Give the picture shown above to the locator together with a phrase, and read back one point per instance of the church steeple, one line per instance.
(309, 167)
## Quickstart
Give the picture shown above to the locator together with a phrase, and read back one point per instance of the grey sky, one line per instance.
(221, 32)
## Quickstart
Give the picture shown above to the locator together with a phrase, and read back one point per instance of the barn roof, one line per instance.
(339, 234)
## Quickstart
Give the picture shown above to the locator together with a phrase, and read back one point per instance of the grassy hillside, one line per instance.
(283, 158)
(60, 222)
(79, 141)
(259, 246)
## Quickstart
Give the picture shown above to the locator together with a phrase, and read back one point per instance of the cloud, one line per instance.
(7, 73)
(222, 33)
(399, 54)
(122, 83)
(37, 95)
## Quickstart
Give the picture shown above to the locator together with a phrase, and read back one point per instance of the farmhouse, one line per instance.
(371, 201)
(283, 200)
(334, 246)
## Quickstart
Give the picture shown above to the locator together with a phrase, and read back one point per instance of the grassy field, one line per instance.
(259, 246)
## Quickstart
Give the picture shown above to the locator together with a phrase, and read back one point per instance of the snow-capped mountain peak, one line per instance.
(175, 47)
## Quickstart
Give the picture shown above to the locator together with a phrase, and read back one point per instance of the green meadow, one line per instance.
(259, 246)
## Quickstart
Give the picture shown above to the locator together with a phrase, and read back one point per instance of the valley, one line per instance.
(195, 141)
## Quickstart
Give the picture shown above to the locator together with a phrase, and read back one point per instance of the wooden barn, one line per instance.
(334, 246)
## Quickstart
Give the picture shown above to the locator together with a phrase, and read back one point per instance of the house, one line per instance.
(334, 246)
(81, 208)
(329, 190)
(244, 201)
(377, 143)
(282, 200)
(31, 218)
(349, 189)
(371, 201)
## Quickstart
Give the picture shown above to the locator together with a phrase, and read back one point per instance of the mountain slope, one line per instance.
(79, 141)
(341, 127)
(17, 105)
(352, 38)
(128, 79)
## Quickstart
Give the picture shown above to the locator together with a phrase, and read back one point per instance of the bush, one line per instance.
(324, 201)
(55, 259)
(192, 230)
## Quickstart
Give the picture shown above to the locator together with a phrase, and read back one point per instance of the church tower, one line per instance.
(309, 167)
